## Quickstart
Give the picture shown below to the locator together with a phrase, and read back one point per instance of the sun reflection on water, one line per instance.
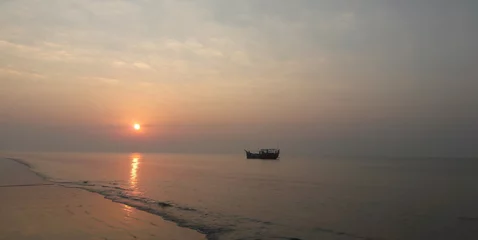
(128, 211)
(133, 179)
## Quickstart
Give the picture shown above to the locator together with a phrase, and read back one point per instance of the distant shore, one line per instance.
(34, 208)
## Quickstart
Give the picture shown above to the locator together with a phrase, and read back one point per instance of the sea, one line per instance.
(230, 197)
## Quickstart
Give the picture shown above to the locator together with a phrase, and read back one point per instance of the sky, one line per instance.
(394, 78)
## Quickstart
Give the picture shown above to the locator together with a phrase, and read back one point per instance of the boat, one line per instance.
(265, 153)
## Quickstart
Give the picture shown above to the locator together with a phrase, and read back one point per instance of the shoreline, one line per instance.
(163, 209)
(34, 207)
(30, 168)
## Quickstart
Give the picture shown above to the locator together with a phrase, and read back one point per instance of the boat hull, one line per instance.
(268, 156)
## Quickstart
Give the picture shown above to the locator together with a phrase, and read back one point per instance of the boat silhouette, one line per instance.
(265, 153)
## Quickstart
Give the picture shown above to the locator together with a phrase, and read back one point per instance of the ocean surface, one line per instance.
(230, 197)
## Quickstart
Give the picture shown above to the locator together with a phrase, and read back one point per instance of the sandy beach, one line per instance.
(33, 208)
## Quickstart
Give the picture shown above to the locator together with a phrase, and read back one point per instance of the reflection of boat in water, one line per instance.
(263, 154)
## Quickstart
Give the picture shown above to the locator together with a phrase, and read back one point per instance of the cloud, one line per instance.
(101, 80)
(193, 46)
(118, 63)
(46, 51)
(13, 74)
(141, 65)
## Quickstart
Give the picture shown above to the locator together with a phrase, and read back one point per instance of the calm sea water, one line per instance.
(229, 197)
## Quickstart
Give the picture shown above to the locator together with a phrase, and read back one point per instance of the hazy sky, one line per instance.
(330, 77)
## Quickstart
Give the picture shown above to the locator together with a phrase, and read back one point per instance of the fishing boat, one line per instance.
(269, 153)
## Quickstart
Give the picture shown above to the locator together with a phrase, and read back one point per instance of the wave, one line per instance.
(215, 226)
(181, 215)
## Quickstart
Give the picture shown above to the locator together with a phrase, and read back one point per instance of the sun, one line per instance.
(137, 126)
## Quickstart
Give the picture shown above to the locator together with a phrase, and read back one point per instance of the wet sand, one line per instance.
(32, 208)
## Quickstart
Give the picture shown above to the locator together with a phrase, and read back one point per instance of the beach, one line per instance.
(34, 208)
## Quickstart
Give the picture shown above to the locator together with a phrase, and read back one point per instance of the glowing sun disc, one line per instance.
(136, 126)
